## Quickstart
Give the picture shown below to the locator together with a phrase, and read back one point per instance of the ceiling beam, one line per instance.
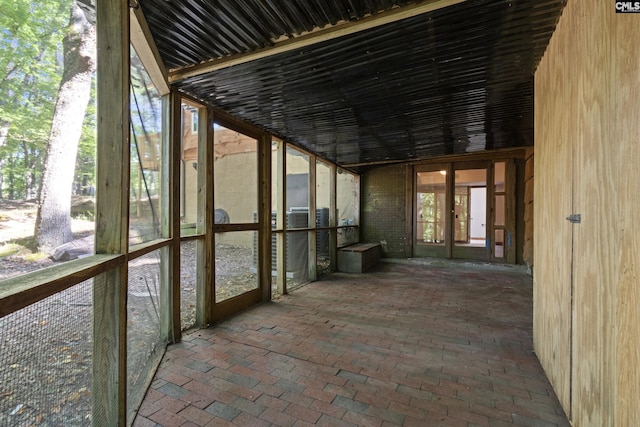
(313, 37)
(147, 50)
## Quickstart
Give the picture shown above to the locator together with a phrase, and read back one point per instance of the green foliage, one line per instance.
(31, 35)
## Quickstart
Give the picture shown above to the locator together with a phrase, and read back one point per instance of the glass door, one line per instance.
(431, 221)
(470, 212)
(236, 227)
(464, 210)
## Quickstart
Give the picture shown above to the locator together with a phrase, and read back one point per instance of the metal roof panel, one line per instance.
(453, 80)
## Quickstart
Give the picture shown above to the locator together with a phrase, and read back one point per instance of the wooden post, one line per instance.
(313, 273)
(490, 215)
(170, 327)
(112, 213)
(450, 204)
(205, 220)
(281, 238)
(264, 212)
(510, 235)
(410, 190)
(333, 218)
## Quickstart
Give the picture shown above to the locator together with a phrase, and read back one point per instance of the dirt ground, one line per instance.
(17, 222)
(17, 219)
(45, 375)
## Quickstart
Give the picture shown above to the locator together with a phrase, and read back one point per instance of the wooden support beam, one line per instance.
(281, 221)
(318, 36)
(112, 214)
(173, 148)
(264, 209)
(409, 222)
(312, 235)
(170, 327)
(147, 51)
(333, 217)
(205, 220)
(450, 207)
(510, 236)
(19, 292)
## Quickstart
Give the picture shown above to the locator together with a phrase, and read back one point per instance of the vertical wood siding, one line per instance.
(552, 233)
(587, 132)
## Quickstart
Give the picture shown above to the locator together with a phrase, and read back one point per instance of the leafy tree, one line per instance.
(53, 222)
(30, 40)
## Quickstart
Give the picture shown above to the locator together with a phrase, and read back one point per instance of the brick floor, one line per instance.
(404, 345)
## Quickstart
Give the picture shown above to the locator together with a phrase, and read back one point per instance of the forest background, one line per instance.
(48, 122)
(31, 63)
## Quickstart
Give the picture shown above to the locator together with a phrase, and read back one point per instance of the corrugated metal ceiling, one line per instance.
(455, 80)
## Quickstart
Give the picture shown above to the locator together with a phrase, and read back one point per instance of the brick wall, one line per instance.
(384, 209)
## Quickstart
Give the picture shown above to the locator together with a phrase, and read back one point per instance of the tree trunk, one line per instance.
(53, 222)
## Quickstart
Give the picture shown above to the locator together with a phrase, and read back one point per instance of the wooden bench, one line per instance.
(359, 257)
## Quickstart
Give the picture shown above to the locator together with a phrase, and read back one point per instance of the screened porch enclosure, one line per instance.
(198, 216)
(211, 197)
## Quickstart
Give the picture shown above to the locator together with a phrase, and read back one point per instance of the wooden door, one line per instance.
(553, 201)
(238, 248)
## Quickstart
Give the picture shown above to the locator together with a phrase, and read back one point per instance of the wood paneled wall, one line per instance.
(552, 233)
(587, 142)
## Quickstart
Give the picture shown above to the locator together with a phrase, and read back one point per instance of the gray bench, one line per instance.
(359, 257)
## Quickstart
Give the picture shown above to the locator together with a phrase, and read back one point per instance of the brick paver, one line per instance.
(403, 345)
